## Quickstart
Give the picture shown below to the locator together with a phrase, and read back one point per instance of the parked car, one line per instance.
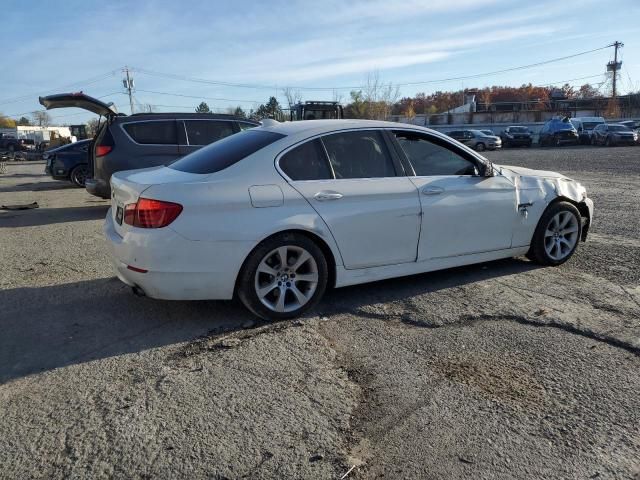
(634, 125)
(68, 162)
(126, 142)
(558, 132)
(516, 136)
(613, 134)
(476, 139)
(11, 144)
(489, 132)
(585, 126)
(277, 214)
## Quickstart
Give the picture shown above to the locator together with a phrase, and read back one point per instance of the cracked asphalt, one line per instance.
(497, 370)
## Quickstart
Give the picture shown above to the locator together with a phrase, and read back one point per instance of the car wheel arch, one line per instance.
(582, 208)
(314, 237)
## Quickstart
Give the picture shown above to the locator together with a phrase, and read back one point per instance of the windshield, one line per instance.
(590, 125)
(563, 126)
(618, 128)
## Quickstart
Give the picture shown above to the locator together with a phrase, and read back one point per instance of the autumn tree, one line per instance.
(6, 122)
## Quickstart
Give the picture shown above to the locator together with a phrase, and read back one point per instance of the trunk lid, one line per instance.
(79, 100)
(129, 185)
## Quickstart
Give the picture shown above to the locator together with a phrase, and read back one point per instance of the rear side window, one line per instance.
(220, 155)
(359, 154)
(306, 162)
(204, 132)
(153, 133)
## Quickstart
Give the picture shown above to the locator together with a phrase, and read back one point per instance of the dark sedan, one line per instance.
(612, 134)
(69, 162)
(516, 136)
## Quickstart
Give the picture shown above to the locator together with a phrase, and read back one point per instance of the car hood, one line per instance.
(552, 183)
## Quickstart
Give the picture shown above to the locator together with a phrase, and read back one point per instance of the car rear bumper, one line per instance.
(177, 268)
(98, 188)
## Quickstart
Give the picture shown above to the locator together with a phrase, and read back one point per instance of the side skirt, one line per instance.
(364, 275)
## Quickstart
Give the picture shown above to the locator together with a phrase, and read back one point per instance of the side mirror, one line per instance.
(488, 170)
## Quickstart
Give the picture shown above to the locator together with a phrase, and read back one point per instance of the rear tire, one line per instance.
(273, 288)
(557, 235)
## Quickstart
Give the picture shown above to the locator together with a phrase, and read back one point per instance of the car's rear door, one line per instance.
(151, 143)
(200, 132)
(356, 185)
(462, 211)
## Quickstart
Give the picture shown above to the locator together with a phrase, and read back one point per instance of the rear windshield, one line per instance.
(518, 129)
(224, 153)
(590, 125)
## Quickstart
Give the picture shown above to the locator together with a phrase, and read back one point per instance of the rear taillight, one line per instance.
(148, 213)
(102, 150)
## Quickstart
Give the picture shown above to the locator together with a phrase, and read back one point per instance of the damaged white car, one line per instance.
(278, 214)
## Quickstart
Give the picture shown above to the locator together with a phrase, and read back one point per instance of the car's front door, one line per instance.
(352, 180)
(462, 211)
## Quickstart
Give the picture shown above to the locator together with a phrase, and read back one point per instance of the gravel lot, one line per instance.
(498, 370)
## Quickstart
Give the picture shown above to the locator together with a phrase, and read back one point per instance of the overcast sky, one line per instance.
(266, 45)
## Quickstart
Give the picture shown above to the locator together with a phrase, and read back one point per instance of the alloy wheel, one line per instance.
(79, 176)
(286, 279)
(561, 235)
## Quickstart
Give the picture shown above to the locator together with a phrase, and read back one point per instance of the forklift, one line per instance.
(315, 110)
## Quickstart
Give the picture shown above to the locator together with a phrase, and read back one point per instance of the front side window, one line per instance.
(204, 132)
(306, 162)
(359, 154)
(153, 133)
(224, 153)
(430, 159)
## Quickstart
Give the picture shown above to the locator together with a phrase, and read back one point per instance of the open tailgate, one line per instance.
(79, 100)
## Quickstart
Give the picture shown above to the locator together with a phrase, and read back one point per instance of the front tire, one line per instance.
(557, 235)
(480, 147)
(283, 277)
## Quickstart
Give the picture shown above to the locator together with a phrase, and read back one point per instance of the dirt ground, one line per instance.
(498, 370)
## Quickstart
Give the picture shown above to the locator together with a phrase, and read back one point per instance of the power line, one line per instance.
(89, 81)
(200, 97)
(425, 82)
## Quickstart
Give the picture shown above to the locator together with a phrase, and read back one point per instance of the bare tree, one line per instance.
(379, 97)
(92, 127)
(41, 118)
(292, 96)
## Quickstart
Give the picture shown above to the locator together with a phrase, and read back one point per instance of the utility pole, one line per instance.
(615, 65)
(129, 86)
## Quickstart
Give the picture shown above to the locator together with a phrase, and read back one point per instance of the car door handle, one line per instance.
(432, 190)
(327, 195)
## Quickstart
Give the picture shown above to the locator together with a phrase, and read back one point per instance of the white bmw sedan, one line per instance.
(278, 214)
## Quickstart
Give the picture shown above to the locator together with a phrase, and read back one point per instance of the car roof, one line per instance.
(173, 115)
(321, 126)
